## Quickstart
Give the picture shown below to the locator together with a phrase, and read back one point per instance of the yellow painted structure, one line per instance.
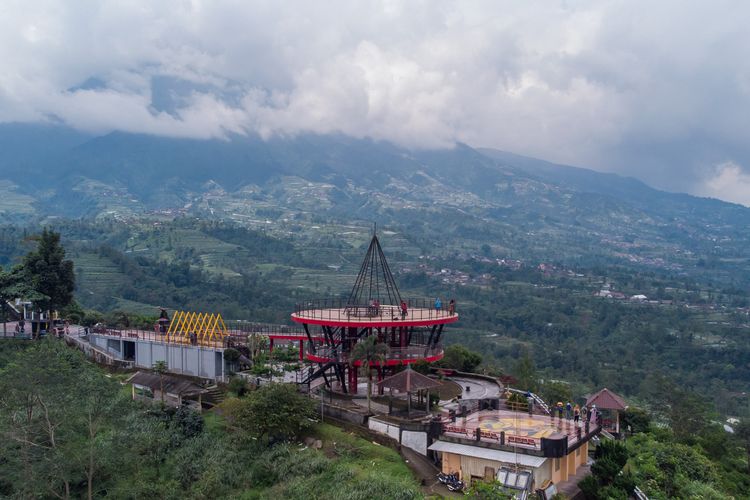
(207, 327)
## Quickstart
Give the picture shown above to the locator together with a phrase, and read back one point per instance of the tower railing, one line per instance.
(338, 309)
(410, 353)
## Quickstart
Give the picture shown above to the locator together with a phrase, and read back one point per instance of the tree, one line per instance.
(369, 351)
(742, 431)
(526, 373)
(161, 368)
(460, 358)
(49, 273)
(637, 419)
(13, 286)
(272, 411)
(554, 390)
(58, 417)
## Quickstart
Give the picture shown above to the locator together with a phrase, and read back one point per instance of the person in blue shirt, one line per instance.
(438, 304)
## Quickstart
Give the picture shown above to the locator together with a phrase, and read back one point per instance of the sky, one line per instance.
(659, 91)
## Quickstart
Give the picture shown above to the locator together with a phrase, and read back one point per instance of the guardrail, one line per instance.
(414, 352)
(337, 309)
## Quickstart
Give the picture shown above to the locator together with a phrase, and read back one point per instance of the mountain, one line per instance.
(463, 197)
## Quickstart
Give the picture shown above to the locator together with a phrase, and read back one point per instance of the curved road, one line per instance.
(478, 388)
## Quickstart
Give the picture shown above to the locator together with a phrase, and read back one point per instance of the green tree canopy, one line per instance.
(273, 411)
(369, 351)
(49, 273)
(460, 358)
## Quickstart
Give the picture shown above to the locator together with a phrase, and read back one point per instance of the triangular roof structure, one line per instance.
(607, 400)
(172, 385)
(409, 381)
(374, 281)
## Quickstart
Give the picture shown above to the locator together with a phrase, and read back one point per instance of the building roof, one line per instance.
(172, 385)
(489, 454)
(607, 400)
(409, 381)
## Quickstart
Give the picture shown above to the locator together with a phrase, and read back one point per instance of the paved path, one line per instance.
(570, 488)
(426, 473)
(477, 388)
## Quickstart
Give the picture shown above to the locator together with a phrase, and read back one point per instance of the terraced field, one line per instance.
(96, 275)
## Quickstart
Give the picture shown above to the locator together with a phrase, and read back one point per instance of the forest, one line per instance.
(70, 430)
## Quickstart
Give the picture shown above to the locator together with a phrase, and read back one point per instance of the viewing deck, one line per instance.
(520, 429)
(337, 312)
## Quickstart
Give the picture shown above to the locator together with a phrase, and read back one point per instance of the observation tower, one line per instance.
(410, 328)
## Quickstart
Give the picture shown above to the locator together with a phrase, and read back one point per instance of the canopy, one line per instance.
(607, 400)
(172, 385)
(409, 381)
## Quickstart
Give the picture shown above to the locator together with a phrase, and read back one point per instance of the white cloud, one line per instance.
(658, 91)
(729, 183)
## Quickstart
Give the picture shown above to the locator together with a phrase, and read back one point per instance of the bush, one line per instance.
(237, 386)
(189, 422)
(275, 411)
(605, 470)
(637, 419)
(589, 487)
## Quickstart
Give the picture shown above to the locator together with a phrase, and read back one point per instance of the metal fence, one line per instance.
(413, 352)
(338, 309)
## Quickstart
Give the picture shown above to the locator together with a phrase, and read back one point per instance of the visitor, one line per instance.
(22, 325)
(452, 307)
(568, 411)
(576, 414)
(163, 320)
(559, 410)
(376, 306)
(438, 305)
(404, 309)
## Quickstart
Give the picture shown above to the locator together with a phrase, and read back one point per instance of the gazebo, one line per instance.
(610, 402)
(409, 381)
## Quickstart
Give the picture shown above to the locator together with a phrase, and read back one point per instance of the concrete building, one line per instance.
(481, 444)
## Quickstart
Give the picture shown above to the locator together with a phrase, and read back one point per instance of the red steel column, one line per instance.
(301, 350)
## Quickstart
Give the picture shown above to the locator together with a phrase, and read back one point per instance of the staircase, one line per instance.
(214, 396)
(539, 402)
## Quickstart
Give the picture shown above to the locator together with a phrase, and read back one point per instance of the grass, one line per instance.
(348, 467)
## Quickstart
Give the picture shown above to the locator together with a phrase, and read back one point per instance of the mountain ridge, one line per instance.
(465, 196)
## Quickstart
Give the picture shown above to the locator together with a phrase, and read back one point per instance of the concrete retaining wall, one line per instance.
(340, 413)
(414, 439)
(417, 441)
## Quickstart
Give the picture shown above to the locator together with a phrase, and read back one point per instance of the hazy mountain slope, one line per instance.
(461, 196)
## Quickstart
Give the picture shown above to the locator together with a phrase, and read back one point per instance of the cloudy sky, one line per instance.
(655, 90)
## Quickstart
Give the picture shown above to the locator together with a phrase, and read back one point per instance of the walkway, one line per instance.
(570, 487)
(477, 388)
(426, 473)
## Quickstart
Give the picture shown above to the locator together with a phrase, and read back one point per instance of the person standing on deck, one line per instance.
(438, 305)
(452, 307)
(576, 414)
(404, 309)
(568, 411)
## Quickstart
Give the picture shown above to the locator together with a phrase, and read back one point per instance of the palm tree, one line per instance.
(160, 367)
(369, 351)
